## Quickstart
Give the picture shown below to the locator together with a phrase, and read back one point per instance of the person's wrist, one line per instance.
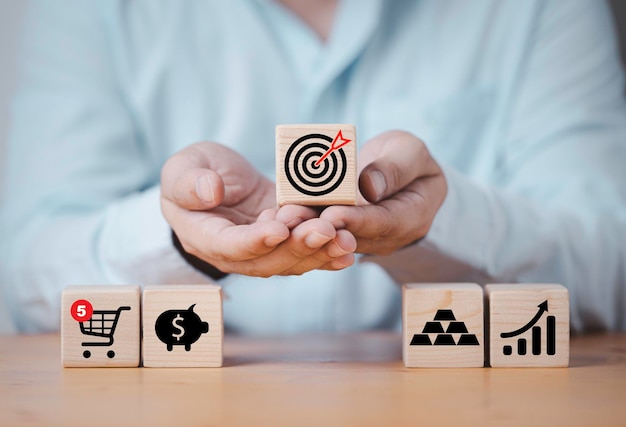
(200, 265)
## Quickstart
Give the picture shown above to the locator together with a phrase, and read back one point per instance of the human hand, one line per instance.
(223, 212)
(403, 188)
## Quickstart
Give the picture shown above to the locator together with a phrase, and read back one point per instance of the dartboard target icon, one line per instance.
(310, 169)
(316, 164)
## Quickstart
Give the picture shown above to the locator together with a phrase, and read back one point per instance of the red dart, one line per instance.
(338, 142)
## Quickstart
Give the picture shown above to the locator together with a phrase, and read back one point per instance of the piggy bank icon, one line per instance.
(180, 327)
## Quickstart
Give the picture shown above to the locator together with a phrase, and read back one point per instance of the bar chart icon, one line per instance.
(522, 332)
(522, 343)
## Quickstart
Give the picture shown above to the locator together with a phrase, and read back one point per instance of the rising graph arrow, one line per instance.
(543, 307)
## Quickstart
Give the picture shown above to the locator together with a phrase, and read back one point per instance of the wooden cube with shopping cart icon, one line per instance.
(100, 326)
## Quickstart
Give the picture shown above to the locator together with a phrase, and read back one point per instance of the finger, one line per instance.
(392, 223)
(303, 244)
(218, 240)
(367, 221)
(310, 236)
(199, 189)
(343, 244)
(332, 265)
(294, 257)
(267, 215)
(341, 248)
(339, 263)
(191, 188)
(245, 242)
(225, 171)
(235, 243)
(294, 215)
(400, 159)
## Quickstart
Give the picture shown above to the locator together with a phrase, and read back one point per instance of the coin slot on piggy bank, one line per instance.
(180, 327)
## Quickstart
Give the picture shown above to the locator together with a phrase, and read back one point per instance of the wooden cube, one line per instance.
(528, 325)
(316, 165)
(442, 325)
(100, 326)
(182, 326)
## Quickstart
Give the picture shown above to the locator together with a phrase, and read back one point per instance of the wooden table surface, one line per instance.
(312, 380)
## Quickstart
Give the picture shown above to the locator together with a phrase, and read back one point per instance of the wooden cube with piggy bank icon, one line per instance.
(182, 326)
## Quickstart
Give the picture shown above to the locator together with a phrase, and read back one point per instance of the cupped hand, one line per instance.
(223, 212)
(403, 188)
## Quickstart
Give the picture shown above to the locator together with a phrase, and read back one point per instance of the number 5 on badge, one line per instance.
(316, 165)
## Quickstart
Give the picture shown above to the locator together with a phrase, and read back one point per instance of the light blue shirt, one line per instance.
(520, 102)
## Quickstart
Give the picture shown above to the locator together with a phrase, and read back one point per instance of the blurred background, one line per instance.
(11, 20)
(11, 16)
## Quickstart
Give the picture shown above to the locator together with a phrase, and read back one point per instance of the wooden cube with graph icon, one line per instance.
(182, 326)
(442, 325)
(100, 326)
(316, 164)
(528, 325)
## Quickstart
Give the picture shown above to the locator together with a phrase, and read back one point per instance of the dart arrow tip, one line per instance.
(338, 142)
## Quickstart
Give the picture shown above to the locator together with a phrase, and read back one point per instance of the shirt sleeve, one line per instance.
(555, 207)
(82, 205)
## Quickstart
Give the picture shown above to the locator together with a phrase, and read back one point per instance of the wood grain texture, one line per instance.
(513, 307)
(121, 302)
(432, 338)
(180, 301)
(312, 380)
(295, 157)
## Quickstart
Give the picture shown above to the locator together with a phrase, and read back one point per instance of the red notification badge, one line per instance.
(81, 310)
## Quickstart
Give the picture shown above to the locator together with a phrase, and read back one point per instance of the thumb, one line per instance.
(194, 189)
(401, 159)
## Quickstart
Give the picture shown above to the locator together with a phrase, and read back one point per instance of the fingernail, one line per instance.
(204, 189)
(316, 240)
(335, 251)
(343, 262)
(379, 183)
(273, 240)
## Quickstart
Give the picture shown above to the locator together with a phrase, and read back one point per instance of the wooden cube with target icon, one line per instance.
(316, 164)
(100, 326)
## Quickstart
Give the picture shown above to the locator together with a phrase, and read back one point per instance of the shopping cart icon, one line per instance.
(101, 324)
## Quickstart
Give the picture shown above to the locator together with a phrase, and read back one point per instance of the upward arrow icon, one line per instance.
(543, 307)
